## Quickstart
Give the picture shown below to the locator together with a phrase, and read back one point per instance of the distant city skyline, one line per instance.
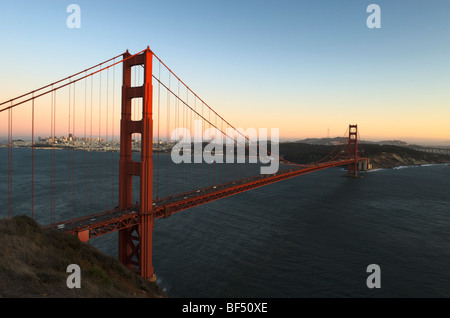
(305, 67)
(421, 142)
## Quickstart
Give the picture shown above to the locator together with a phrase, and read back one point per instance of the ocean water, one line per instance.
(310, 236)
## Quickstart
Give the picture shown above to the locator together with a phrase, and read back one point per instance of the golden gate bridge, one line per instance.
(100, 114)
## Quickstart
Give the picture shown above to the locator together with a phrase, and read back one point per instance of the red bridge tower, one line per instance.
(352, 170)
(135, 243)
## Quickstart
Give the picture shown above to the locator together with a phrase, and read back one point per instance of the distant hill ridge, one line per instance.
(337, 140)
(380, 155)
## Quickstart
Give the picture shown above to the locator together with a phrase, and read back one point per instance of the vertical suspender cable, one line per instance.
(215, 154)
(10, 162)
(73, 153)
(85, 149)
(168, 140)
(158, 141)
(68, 152)
(178, 124)
(211, 181)
(54, 159)
(32, 157)
(194, 176)
(106, 140)
(184, 167)
(112, 136)
(90, 150)
(51, 158)
(201, 148)
(99, 133)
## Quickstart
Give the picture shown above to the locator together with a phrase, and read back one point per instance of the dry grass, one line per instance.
(33, 263)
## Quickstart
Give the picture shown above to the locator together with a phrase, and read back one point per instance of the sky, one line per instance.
(309, 68)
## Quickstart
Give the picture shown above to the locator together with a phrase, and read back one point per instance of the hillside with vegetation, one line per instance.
(381, 156)
(33, 263)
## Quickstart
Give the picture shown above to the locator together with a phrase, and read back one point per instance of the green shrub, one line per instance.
(99, 276)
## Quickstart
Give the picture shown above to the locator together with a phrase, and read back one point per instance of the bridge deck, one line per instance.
(114, 220)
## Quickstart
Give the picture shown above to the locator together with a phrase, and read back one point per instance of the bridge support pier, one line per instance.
(135, 243)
